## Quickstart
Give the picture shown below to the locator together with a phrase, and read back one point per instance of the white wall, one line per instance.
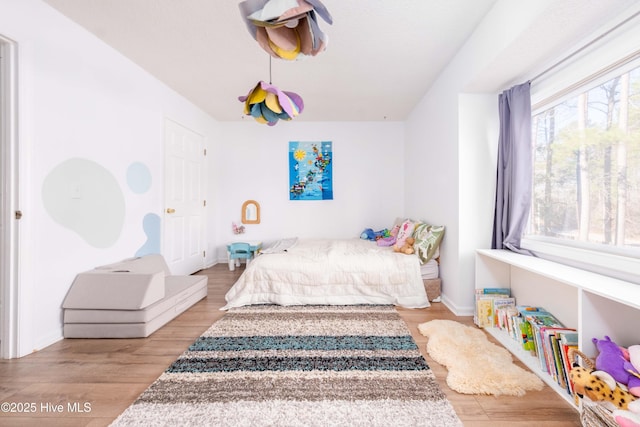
(453, 130)
(81, 99)
(478, 136)
(445, 139)
(368, 179)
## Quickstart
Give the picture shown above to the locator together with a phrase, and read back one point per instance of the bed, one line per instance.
(430, 272)
(330, 272)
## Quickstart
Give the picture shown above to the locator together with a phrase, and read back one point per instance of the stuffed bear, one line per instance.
(612, 360)
(407, 248)
(599, 386)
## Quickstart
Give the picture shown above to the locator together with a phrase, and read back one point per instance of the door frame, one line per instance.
(9, 212)
(166, 236)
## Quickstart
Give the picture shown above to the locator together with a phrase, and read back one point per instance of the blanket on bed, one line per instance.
(331, 272)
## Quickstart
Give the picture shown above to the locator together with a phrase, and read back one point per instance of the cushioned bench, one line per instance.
(129, 299)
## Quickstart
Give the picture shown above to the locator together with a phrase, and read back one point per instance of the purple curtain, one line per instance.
(515, 169)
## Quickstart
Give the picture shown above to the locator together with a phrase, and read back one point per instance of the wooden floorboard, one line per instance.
(89, 382)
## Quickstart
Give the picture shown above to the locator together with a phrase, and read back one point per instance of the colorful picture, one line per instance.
(310, 170)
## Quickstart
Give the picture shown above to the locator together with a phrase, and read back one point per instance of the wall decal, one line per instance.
(84, 197)
(138, 178)
(310, 170)
(151, 227)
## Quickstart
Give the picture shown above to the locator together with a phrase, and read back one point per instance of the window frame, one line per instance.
(604, 60)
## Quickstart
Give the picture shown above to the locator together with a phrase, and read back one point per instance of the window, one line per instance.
(586, 151)
(587, 165)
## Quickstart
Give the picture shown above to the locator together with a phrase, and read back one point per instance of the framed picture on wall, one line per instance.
(310, 170)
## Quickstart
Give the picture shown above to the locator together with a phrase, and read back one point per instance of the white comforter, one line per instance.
(331, 272)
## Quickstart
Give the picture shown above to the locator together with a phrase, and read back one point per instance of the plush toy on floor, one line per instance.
(407, 248)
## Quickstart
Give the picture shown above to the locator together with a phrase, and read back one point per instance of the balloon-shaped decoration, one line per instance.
(287, 29)
(268, 104)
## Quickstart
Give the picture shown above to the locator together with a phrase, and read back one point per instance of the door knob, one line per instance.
(170, 210)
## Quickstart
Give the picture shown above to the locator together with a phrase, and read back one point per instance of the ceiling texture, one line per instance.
(382, 55)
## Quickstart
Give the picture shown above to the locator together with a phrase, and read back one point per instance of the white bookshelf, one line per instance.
(530, 361)
(593, 304)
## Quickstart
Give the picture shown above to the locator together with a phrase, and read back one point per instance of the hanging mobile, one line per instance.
(267, 104)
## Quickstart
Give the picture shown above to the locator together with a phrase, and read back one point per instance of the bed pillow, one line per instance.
(428, 238)
(406, 230)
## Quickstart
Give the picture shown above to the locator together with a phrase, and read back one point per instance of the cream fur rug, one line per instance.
(475, 365)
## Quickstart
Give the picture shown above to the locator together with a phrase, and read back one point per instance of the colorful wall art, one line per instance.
(310, 170)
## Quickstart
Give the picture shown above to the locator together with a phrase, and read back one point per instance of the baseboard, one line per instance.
(458, 311)
(47, 340)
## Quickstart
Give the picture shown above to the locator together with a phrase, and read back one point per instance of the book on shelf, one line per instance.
(505, 317)
(540, 321)
(524, 332)
(484, 315)
(537, 331)
(567, 341)
(526, 337)
(546, 327)
(514, 327)
(500, 307)
(558, 372)
(525, 310)
(551, 349)
(547, 339)
(543, 319)
(560, 355)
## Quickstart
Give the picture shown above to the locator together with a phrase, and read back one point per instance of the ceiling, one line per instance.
(381, 58)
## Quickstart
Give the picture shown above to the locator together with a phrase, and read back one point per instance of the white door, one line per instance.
(183, 246)
(9, 213)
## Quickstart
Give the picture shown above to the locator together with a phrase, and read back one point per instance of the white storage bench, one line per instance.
(129, 299)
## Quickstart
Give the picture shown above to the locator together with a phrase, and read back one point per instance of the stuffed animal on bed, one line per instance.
(407, 248)
(390, 239)
(369, 234)
(405, 232)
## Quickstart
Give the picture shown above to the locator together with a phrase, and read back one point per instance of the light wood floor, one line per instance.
(103, 377)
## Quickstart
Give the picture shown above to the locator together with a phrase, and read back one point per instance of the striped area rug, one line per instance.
(298, 366)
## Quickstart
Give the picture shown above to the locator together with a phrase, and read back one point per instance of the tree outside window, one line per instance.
(587, 166)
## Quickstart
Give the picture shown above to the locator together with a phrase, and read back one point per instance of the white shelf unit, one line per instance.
(593, 304)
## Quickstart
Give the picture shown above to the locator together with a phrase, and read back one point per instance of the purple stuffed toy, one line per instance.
(611, 359)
